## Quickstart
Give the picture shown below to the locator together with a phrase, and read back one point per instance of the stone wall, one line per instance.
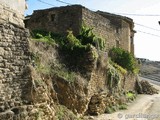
(14, 57)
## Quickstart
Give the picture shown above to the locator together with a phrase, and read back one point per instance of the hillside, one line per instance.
(150, 70)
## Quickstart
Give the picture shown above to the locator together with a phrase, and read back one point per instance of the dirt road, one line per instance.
(145, 107)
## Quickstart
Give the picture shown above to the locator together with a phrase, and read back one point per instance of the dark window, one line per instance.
(53, 17)
(117, 43)
(131, 38)
(117, 30)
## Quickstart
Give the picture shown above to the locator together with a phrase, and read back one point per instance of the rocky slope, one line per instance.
(66, 83)
(83, 90)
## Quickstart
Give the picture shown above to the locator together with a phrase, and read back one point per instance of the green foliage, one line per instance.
(124, 59)
(87, 36)
(130, 95)
(57, 38)
(47, 39)
(72, 41)
(73, 49)
(117, 67)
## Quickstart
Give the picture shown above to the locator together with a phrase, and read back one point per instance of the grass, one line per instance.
(65, 74)
(46, 39)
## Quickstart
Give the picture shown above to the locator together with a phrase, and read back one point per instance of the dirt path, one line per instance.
(145, 107)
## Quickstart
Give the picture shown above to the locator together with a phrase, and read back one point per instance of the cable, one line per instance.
(149, 15)
(130, 14)
(63, 2)
(117, 13)
(46, 3)
(146, 27)
(148, 33)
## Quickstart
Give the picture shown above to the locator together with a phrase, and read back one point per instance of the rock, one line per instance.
(147, 88)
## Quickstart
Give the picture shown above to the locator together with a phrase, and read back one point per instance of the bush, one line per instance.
(72, 41)
(47, 38)
(87, 36)
(39, 34)
(124, 59)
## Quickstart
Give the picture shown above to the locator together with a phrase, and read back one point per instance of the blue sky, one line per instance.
(146, 46)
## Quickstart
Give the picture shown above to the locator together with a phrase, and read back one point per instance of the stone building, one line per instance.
(116, 30)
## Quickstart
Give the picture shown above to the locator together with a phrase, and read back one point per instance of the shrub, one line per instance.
(47, 39)
(117, 67)
(87, 36)
(124, 59)
(72, 41)
(38, 34)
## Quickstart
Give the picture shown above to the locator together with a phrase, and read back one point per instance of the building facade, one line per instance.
(116, 30)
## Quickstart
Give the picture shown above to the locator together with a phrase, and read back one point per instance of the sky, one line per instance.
(146, 40)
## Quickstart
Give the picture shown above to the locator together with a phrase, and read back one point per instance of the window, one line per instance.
(117, 30)
(117, 43)
(131, 38)
(53, 17)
